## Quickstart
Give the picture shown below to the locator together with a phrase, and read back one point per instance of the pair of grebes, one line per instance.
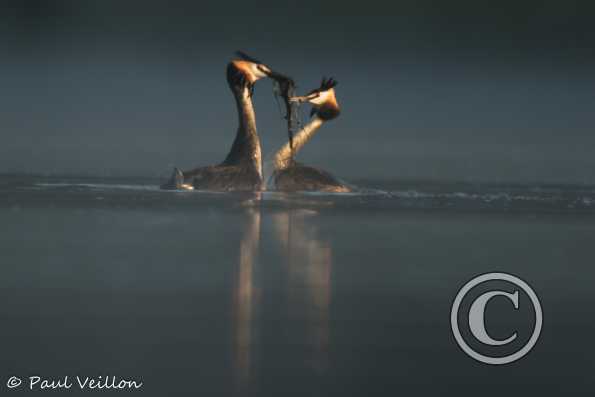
(242, 168)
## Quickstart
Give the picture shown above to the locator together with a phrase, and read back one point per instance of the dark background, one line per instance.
(212, 294)
(459, 90)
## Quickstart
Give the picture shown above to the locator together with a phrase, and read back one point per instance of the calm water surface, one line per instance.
(231, 294)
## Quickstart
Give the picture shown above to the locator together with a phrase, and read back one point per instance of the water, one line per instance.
(199, 293)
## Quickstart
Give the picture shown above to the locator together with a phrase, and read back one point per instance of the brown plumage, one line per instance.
(290, 175)
(242, 167)
(300, 178)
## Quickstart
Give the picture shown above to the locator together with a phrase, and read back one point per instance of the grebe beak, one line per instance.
(261, 69)
(305, 98)
(298, 99)
(280, 78)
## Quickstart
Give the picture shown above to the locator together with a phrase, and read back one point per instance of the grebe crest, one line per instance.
(323, 100)
(245, 71)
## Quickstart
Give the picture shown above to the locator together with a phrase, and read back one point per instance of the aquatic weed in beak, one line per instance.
(285, 88)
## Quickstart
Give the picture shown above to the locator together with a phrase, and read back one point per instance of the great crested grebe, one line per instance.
(290, 175)
(242, 168)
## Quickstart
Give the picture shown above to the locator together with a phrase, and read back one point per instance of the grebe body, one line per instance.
(290, 175)
(242, 168)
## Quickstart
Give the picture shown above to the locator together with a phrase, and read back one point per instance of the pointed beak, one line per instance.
(281, 78)
(298, 99)
(305, 98)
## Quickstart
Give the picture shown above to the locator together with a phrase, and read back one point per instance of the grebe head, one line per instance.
(245, 71)
(323, 100)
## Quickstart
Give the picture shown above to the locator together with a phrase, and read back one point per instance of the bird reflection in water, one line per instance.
(308, 266)
(302, 305)
(244, 299)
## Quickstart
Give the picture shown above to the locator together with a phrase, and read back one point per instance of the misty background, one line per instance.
(439, 90)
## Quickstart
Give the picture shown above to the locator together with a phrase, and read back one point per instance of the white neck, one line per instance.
(246, 146)
(283, 156)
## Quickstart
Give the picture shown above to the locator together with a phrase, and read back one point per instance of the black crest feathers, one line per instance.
(245, 57)
(325, 84)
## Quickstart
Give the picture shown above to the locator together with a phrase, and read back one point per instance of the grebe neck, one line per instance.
(245, 150)
(283, 156)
